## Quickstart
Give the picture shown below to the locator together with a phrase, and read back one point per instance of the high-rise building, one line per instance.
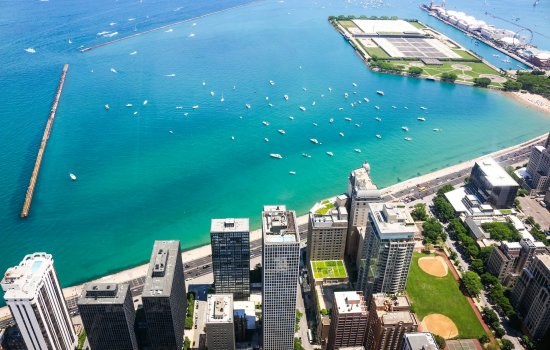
(32, 292)
(361, 191)
(281, 263)
(164, 298)
(493, 183)
(531, 296)
(108, 316)
(387, 249)
(419, 341)
(389, 319)
(326, 235)
(348, 322)
(220, 326)
(538, 168)
(230, 240)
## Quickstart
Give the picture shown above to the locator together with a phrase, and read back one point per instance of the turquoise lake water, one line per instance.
(162, 175)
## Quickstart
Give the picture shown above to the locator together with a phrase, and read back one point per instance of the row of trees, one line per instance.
(384, 66)
(433, 232)
(419, 212)
(502, 231)
(536, 231)
(444, 209)
(535, 82)
(190, 310)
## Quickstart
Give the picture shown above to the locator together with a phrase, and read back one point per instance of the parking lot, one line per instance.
(532, 207)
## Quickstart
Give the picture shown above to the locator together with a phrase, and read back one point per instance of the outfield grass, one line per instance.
(441, 295)
(328, 269)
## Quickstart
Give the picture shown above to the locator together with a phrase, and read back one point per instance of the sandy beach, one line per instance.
(534, 101)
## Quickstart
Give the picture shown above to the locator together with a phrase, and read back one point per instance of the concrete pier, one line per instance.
(43, 143)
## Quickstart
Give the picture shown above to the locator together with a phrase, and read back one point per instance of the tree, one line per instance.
(444, 189)
(186, 344)
(444, 208)
(511, 85)
(490, 316)
(415, 71)
(440, 341)
(507, 345)
(298, 344)
(478, 266)
(419, 212)
(500, 332)
(324, 312)
(482, 82)
(449, 77)
(432, 230)
(522, 192)
(501, 231)
(472, 282)
(484, 339)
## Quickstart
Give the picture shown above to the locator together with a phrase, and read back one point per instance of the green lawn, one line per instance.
(376, 51)
(347, 24)
(328, 206)
(477, 69)
(465, 54)
(417, 25)
(328, 269)
(441, 295)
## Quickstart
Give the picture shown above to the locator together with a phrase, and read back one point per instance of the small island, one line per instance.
(408, 47)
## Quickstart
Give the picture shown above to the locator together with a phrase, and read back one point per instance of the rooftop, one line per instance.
(349, 302)
(328, 269)
(24, 280)
(395, 317)
(247, 310)
(103, 293)
(158, 281)
(279, 225)
(229, 225)
(389, 303)
(420, 341)
(495, 174)
(334, 218)
(220, 308)
(392, 219)
(545, 259)
(399, 26)
(361, 185)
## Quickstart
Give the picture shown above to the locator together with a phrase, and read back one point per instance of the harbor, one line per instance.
(43, 143)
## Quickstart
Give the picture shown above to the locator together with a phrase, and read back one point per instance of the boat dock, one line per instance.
(89, 48)
(43, 143)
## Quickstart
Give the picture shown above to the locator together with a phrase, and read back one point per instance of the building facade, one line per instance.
(419, 341)
(361, 191)
(389, 319)
(348, 320)
(387, 249)
(36, 301)
(538, 168)
(326, 235)
(220, 325)
(108, 316)
(531, 296)
(281, 263)
(493, 183)
(164, 297)
(230, 241)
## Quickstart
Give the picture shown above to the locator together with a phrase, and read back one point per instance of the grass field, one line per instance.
(477, 69)
(347, 24)
(328, 269)
(417, 25)
(465, 54)
(376, 51)
(441, 295)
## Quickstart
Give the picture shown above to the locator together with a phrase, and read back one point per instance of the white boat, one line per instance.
(394, 107)
(313, 103)
(314, 141)
(405, 128)
(341, 134)
(354, 84)
(72, 176)
(348, 119)
(266, 139)
(377, 107)
(422, 119)
(113, 70)
(306, 155)
(233, 138)
(267, 98)
(346, 95)
(30, 50)
(212, 93)
(424, 108)
(203, 83)
(265, 123)
(171, 75)
(341, 109)
(136, 112)
(330, 89)
(291, 117)
(247, 105)
(303, 108)
(276, 155)
(169, 30)
(286, 97)
(358, 150)
(270, 104)
(408, 138)
(358, 125)
(222, 99)
(378, 119)
(292, 172)
(330, 154)
(133, 53)
(378, 136)
(366, 99)
(331, 120)
(304, 88)
(495, 55)
(281, 131)
(437, 129)
(271, 82)
(315, 124)
(145, 102)
(406, 107)
(170, 131)
(195, 107)
(185, 114)
(107, 106)
(70, 41)
(380, 92)
(129, 105)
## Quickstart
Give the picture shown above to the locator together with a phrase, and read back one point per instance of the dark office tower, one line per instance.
(164, 300)
(230, 240)
(108, 316)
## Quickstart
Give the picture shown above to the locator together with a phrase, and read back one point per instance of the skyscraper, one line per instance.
(531, 296)
(281, 261)
(164, 298)
(35, 299)
(348, 322)
(108, 316)
(387, 249)
(361, 190)
(326, 235)
(230, 240)
(493, 183)
(220, 323)
(538, 167)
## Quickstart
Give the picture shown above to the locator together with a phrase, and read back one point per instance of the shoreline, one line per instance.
(535, 101)
(205, 250)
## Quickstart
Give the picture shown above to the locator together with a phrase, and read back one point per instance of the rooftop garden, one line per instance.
(328, 269)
